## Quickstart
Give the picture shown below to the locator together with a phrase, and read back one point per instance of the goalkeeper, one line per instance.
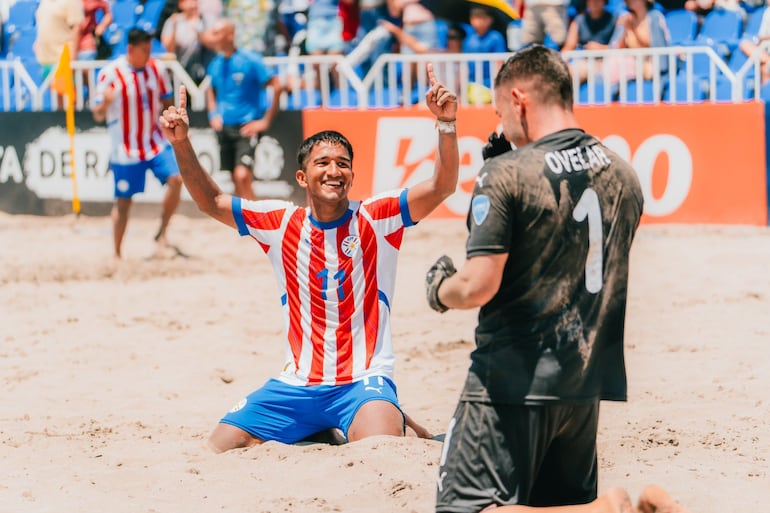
(551, 226)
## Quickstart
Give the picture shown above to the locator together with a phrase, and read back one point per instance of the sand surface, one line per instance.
(113, 378)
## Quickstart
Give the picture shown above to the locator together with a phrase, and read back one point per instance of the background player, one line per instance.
(130, 94)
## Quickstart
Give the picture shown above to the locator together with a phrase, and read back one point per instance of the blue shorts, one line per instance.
(288, 413)
(129, 178)
(424, 32)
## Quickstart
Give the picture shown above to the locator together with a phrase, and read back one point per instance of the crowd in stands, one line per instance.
(35, 31)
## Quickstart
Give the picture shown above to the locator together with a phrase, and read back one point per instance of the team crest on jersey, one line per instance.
(350, 245)
(480, 208)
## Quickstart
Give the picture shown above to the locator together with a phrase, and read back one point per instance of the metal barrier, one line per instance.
(396, 80)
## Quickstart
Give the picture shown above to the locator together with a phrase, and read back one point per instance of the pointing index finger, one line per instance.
(431, 75)
(182, 97)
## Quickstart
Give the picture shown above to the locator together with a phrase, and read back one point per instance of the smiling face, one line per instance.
(327, 176)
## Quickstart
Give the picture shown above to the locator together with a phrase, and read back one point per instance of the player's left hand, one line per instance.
(438, 272)
(496, 145)
(441, 101)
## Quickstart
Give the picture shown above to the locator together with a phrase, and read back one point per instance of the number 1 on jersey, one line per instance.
(588, 207)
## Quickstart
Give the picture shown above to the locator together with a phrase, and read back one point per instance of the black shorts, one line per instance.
(516, 454)
(235, 149)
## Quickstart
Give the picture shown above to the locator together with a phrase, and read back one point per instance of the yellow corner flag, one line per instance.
(64, 85)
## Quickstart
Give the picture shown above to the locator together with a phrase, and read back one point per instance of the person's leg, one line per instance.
(129, 180)
(367, 408)
(568, 472)
(532, 31)
(554, 19)
(276, 412)
(170, 204)
(655, 499)
(376, 418)
(166, 170)
(242, 180)
(119, 221)
(226, 437)
(243, 170)
(616, 500)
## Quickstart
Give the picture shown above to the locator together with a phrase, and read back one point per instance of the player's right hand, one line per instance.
(438, 272)
(174, 122)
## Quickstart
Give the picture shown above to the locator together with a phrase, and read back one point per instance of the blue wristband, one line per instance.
(213, 114)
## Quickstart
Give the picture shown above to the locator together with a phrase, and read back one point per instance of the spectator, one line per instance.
(256, 24)
(640, 27)
(58, 24)
(544, 17)
(371, 13)
(324, 28)
(749, 46)
(239, 110)
(293, 16)
(92, 30)
(482, 39)
(188, 35)
(417, 21)
(590, 30)
(703, 7)
(324, 33)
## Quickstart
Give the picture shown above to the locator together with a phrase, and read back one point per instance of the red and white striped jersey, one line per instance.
(336, 281)
(132, 117)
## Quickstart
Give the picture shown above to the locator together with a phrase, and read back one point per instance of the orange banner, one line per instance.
(696, 164)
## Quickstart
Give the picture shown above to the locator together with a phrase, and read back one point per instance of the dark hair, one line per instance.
(137, 36)
(545, 67)
(327, 136)
(456, 31)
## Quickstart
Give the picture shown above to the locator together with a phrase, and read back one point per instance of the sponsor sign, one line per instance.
(691, 167)
(35, 163)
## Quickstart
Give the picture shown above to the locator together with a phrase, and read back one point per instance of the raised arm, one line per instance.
(424, 197)
(210, 199)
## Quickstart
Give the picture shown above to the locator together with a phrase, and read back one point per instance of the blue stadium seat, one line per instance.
(644, 93)
(736, 62)
(724, 90)
(124, 13)
(721, 28)
(148, 15)
(682, 25)
(20, 43)
(442, 30)
(753, 22)
(21, 14)
(302, 99)
(764, 92)
(698, 91)
(602, 95)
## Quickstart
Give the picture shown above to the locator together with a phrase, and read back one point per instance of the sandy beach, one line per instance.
(113, 377)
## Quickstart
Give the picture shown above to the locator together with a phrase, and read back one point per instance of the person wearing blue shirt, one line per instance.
(238, 105)
(482, 39)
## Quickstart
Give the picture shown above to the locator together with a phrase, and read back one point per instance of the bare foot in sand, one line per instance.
(619, 501)
(655, 499)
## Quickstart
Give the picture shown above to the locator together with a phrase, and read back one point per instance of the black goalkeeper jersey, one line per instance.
(565, 209)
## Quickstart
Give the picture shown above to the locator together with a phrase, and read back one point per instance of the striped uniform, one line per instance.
(132, 117)
(336, 281)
